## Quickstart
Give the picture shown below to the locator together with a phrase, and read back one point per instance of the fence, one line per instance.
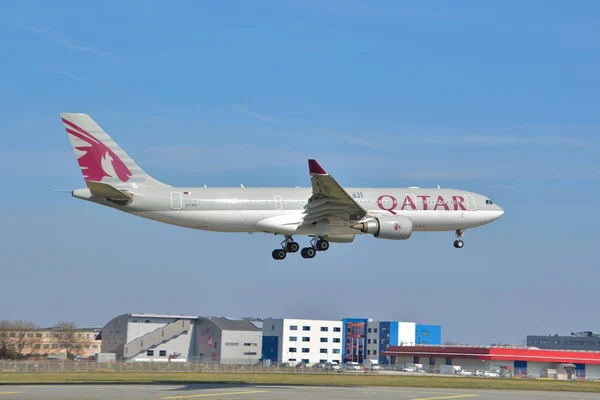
(8, 366)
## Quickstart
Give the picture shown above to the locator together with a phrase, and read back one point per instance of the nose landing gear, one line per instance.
(458, 243)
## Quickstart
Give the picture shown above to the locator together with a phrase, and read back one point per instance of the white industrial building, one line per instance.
(155, 337)
(302, 340)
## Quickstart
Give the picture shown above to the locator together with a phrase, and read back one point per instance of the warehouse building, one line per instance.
(576, 341)
(367, 339)
(302, 340)
(507, 361)
(164, 338)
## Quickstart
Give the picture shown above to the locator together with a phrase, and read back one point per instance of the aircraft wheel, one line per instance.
(459, 244)
(308, 252)
(292, 247)
(322, 245)
(278, 254)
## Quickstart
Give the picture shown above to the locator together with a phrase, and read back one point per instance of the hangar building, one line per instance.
(157, 337)
(510, 361)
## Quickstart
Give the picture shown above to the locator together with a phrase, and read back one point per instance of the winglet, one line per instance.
(315, 168)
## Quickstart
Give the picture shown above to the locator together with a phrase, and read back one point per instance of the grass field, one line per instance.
(295, 379)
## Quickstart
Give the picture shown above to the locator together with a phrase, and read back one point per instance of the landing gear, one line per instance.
(458, 243)
(279, 254)
(308, 252)
(322, 245)
(287, 246)
(292, 247)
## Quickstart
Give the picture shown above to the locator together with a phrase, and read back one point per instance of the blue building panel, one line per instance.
(428, 334)
(270, 348)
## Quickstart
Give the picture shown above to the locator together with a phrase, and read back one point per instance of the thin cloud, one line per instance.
(482, 140)
(245, 110)
(367, 144)
(61, 41)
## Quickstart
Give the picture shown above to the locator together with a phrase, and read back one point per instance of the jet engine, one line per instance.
(397, 227)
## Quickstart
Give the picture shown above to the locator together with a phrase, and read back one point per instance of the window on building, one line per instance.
(374, 330)
(305, 360)
(369, 330)
(292, 349)
(306, 339)
(291, 359)
(38, 335)
(272, 327)
(374, 341)
(249, 353)
(94, 346)
(368, 341)
(306, 328)
(323, 340)
(374, 352)
(250, 344)
(293, 327)
(216, 344)
(322, 361)
(162, 353)
(135, 320)
(336, 329)
(324, 329)
(150, 353)
(293, 338)
(147, 321)
(305, 350)
(323, 351)
(335, 351)
(368, 352)
(337, 340)
(46, 345)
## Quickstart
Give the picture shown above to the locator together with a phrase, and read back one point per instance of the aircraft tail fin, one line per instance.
(99, 157)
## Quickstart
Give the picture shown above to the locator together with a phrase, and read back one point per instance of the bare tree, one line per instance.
(19, 339)
(69, 339)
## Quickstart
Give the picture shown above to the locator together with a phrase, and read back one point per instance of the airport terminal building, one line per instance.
(164, 338)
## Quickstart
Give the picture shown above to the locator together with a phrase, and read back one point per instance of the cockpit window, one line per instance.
(489, 202)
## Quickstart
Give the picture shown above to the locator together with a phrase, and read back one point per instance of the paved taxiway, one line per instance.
(242, 392)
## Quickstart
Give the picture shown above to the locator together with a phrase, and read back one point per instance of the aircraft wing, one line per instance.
(329, 199)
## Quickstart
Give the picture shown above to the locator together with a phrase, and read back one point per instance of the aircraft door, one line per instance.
(176, 201)
(471, 205)
(278, 202)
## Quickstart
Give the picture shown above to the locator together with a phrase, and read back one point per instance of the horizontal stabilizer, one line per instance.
(100, 189)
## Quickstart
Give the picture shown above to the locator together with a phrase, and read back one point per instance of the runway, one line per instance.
(260, 392)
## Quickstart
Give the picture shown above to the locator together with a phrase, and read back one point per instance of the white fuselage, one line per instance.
(282, 210)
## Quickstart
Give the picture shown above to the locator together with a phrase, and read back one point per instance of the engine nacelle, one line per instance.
(340, 238)
(398, 227)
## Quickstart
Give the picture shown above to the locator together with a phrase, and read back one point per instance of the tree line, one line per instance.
(24, 339)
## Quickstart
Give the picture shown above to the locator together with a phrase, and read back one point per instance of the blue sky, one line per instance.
(500, 98)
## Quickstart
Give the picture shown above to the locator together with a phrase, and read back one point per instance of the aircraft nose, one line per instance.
(500, 212)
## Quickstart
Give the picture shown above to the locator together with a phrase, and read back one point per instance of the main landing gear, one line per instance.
(458, 243)
(289, 246)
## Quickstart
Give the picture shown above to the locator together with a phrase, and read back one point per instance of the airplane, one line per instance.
(326, 212)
